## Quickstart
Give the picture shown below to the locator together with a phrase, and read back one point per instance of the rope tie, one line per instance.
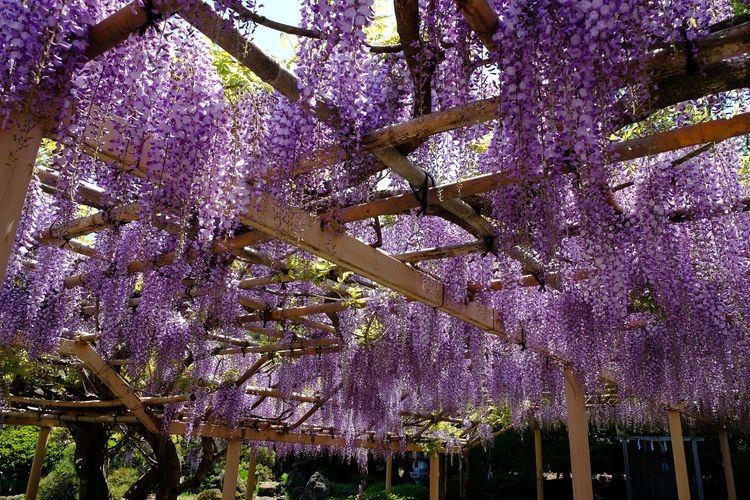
(422, 193)
(152, 16)
(539, 277)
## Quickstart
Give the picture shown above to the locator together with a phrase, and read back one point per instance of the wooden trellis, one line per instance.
(268, 219)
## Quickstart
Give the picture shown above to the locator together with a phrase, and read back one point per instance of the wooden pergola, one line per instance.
(723, 50)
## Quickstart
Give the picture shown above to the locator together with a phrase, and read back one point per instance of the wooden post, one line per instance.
(578, 435)
(250, 494)
(435, 476)
(539, 465)
(36, 466)
(726, 459)
(626, 466)
(19, 144)
(229, 488)
(388, 474)
(678, 452)
(697, 469)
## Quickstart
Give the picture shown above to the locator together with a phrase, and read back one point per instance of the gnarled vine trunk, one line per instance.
(91, 460)
(163, 479)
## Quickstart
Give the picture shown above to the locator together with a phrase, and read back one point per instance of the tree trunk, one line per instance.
(208, 457)
(90, 460)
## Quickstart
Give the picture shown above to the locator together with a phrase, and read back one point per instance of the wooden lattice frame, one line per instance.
(273, 220)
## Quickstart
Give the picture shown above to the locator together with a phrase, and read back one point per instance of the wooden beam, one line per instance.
(215, 430)
(90, 224)
(116, 28)
(36, 465)
(678, 452)
(229, 488)
(539, 465)
(251, 466)
(316, 406)
(726, 460)
(251, 434)
(683, 137)
(275, 393)
(281, 346)
(435, 476)
(113, 381)
(578, 436)
(388, 474)
(304, 231)
(19, 144)
(482, 19)
(96, 403)
(293, 312)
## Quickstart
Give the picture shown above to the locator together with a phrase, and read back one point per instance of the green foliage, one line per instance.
(739, 7)
(17, 447)
(398, 492)
(212, 494)
(62, 482)
(119, 480)
(237, 79)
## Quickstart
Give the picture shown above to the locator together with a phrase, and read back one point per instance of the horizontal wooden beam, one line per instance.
(295, 312)
(97, 403)
(275, 393)
(250, 434)
(213, 430)
(291, 346)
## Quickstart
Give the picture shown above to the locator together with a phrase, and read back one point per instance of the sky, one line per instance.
(271, 41)
(281, 45)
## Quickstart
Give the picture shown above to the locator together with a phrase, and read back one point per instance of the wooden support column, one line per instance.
(388, 474)
(435, 476)
(726, 459)
(678, 452)
(36, 466)
(538, 460)
(19, 144)
(250, 490)
(578, 435)
(229, 488)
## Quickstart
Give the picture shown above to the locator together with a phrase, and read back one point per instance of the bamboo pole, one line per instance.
(578, 435)
(251, 466)
(36, 465)
(539, 465)
(281, 346)
(275, 393)
(97, 403)
(678, 452)
(435, 476)
(19, 144)
(294, 312)
(229, 488)
(217, 430)
(388, 474)
(316, 406)
(726, 459)
(90, 224)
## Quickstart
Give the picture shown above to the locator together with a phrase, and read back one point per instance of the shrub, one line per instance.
(212, 494)
(398, 492)
(17, 446)
(62, 482)
(119, 480)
